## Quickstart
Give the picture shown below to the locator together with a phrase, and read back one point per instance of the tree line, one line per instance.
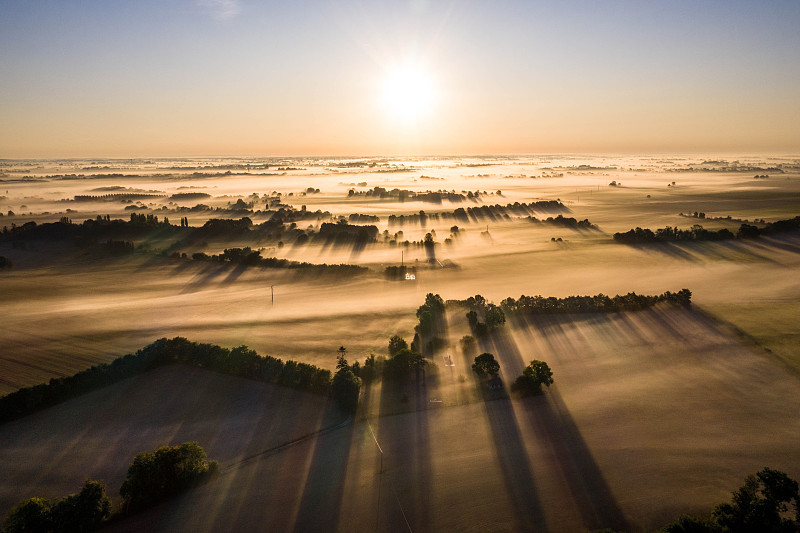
(564, 222)
(600, 303)
(248, 257)
(481, 213)
(239, 361)
(699, 233)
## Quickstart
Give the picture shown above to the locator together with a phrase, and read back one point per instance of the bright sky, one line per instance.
(99, 78)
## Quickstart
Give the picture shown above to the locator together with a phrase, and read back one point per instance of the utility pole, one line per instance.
(272, 293)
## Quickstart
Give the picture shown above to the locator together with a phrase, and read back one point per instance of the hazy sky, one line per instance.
(243, 77)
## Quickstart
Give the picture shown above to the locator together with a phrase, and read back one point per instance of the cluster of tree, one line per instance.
(341, 233)
(362, 219)
(182, 196)
(403, 195)
(422, 218)
(497, 212)
(483, 317)
(728, 218)
(169, 470)
(5, 262)
(151, 478)
(536, 374)
(397, 273)
(539, 305)
(401, 363)
(768, 502)
(430, 332)
(81, 512)
(127, 197)
(248, 257)
(91, 230)
(566, 222)
(219, 227)
(698, 233)
(240, 361)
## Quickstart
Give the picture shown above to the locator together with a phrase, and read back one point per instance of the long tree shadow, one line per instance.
(204, 277)
(511, 451)
(551, 420)
(515, 465)
(324, 486)
(407, 453)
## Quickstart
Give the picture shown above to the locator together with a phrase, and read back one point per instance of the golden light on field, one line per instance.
(408, 94)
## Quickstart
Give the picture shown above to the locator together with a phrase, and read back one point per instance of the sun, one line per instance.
(408, 94)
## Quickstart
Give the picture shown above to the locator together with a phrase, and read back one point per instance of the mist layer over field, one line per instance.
(653, 414)
(65, 309)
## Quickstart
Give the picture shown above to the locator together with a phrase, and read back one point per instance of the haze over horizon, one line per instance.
(238, 78)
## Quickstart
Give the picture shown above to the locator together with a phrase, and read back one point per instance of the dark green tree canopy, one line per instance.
(77, 513)
(768, 502)
(165, 472)
(485, 364)
(345, 389)
(396, 343)
(403, 364)
(536, 374)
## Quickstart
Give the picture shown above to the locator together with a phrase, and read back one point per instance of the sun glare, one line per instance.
(408, 94)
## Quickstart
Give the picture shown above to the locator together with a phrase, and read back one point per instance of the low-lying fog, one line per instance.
(65, 309)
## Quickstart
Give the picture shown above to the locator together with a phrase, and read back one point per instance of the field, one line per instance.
(653, 413)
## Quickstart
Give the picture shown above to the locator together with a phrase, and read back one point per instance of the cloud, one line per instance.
(221, 9)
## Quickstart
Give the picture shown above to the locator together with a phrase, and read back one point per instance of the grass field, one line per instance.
(653, 413)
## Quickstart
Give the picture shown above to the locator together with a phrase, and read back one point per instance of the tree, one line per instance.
(402, 364)
(29, 515)
(341, 362)
(369, 370)
(468, 344)
(165, 472)
(536, 374)
(767, 503)
(345, 389)
(494, 316)
(762, 505)
(485, 364)
(396, 343)
(76, 513)
(430, 244)
(83, 511)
